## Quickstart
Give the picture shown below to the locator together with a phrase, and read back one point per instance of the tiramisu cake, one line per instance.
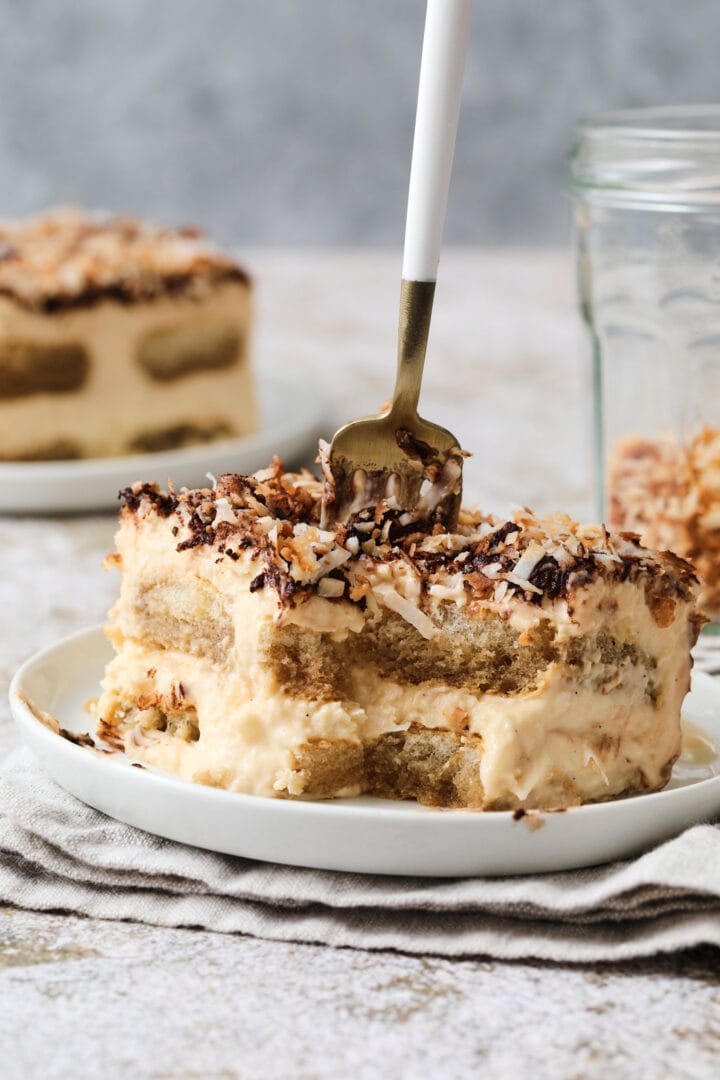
(522, 663)
(117, 337)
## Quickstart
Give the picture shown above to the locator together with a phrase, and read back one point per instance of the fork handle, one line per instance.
(447, 30)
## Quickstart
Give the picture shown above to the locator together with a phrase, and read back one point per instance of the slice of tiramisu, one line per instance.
(118, 337)
(513, 664)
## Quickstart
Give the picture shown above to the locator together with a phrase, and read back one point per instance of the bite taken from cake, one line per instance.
(513, 664)
(119, 337)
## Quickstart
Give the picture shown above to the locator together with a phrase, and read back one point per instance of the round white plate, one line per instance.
(364, 835)
(291, 420)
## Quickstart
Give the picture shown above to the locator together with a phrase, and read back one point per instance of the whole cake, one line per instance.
(118, 337)
(522, 663)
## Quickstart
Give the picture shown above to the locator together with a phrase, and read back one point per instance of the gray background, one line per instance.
(290, 121)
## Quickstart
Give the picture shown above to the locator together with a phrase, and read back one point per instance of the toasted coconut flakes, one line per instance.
(522, 583)
(282, 512)
(262, 475)
(371, 601)
(330, 587)
(529, 560)
(443, 542)
(331, 561)
(500, 589)
(320, 537)
(629, 548)
(492, 570)
(405, 608)
(510, 538)
(224, 512)
(306, 567)
(455, 592)
(562, 557)
(438, 490)
(324, 460)
(606, 558)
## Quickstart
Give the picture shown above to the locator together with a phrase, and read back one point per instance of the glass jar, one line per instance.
(646, 190)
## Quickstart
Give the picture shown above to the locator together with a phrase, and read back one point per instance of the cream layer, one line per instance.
(250, 732)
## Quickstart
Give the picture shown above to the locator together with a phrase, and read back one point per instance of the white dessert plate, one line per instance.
(291, 418)
(362, 835)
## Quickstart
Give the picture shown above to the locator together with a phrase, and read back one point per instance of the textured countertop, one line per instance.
(507, 372)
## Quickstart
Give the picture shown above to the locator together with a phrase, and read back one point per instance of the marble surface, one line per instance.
(81, 998)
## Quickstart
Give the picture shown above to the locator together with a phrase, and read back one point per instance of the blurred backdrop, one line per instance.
(289, 122)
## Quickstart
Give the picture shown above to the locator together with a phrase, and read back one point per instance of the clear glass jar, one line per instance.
(646, 190)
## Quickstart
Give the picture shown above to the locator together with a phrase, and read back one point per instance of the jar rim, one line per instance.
(671, 122)
(666, 156)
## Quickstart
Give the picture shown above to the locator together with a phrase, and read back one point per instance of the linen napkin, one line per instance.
(58, 854)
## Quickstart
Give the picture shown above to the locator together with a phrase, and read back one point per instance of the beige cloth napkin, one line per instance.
(58, 854)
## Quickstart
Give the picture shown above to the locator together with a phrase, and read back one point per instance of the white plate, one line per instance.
(291, 417)
(364, 835)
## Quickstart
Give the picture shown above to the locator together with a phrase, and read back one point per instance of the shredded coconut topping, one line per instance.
(377, 561)
(66, 258)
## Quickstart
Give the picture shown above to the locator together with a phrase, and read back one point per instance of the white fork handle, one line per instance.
(447, 29)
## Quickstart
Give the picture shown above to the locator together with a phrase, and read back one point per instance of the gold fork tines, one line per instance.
(397, 459)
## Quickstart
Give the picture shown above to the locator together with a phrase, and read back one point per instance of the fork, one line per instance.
(396, 458)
